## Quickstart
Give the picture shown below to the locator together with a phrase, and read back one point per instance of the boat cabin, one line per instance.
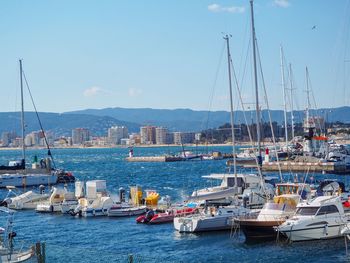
(321, 206)
(303, 190)
(243, 180)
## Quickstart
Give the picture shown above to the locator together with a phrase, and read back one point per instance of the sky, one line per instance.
(171, 54)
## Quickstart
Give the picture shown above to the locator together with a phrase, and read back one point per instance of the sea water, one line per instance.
(104, 239)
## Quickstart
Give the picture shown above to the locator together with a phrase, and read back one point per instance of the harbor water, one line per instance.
(71, 239)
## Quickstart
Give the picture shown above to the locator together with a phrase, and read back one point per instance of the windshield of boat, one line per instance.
(279, 207)
(231, 182)
(328, 209)
(307, 211)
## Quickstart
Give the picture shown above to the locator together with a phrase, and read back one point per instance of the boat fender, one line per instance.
(326, 230)
(51, 208)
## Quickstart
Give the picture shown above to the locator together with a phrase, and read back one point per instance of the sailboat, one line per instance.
(219, 218)
(7, 251)
(41, 173)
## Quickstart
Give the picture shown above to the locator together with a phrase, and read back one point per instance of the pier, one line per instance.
(292, 166)
(154, 159)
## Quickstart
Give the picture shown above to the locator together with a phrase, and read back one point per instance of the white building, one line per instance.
(80, 135)
(148, 134)
(6, 138)
(161, 135)
(183, 137)
(116, 133)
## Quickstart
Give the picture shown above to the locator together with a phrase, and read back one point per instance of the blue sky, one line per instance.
(166, 54)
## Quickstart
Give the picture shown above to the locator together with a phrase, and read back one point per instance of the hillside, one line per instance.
(99, 120)
(190, 120)
(62, 124)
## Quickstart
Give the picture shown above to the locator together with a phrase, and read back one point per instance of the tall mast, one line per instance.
(231, 107)
(291, 97)
(284, 98)
(308, 98)
(256, 85)
(22, 110)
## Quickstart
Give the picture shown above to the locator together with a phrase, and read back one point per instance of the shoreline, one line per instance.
(244, 144)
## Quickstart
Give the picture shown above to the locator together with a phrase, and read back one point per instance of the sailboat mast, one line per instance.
(308, 98)
(256, 85)
(231, 108)
(22, 110)
(291, 97)
(284, 98)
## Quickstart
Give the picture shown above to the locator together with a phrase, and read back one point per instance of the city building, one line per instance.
(134, 138)
(116, 133)
(80, 135)
(33, 138)
(198, 136)
(125, 141)
(161, 135)
(148, 134)
(5, 138)
(183, 137)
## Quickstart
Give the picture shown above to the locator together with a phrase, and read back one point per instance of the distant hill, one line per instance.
(190, 120)
(99, 120)
(62, 124)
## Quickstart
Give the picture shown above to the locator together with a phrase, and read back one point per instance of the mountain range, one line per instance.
(99, 120)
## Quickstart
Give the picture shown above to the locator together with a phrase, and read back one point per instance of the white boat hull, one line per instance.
(314, 233)
(91, 212)
(212, 195)
(201, 224)
(28, 200)
(48, 208)
(20, 180)
(66, 207)
(15, 256)
(131, 211)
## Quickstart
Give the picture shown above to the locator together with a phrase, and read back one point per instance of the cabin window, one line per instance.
(231, 182)
(328, 209)
(307, 211)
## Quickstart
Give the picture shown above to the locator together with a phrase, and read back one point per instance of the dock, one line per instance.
(154, 159)
(292, 166)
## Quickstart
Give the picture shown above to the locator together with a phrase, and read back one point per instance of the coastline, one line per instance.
(244, 144)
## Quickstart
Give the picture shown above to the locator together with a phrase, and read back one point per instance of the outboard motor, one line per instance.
(41, 189)
(121, 194)
(149, 215)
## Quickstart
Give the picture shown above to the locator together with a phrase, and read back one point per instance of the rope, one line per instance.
(269, 113)
(41, 126)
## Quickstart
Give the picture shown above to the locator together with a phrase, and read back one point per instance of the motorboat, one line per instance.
(164, 217)
(250, 185)
(321, 218)
(135, 205)
(125, 209)
(211, 219)
(8, 253)
(274, 212)
(59, 196)
(21, 180)
(27, 200)
(96, 202)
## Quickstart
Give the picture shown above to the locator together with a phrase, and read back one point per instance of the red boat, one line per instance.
(152, 218)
